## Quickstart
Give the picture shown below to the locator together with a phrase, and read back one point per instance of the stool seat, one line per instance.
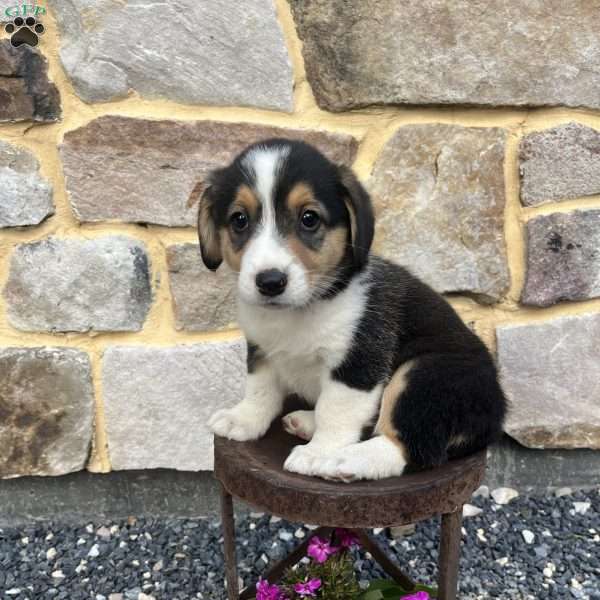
(253, 472)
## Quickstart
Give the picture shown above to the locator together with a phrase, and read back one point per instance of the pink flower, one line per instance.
(307, 588)
(320, 549)
(347, 538)
(266, 591)
(417, 596)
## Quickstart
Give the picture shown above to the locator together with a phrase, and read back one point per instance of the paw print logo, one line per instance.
(24, 31)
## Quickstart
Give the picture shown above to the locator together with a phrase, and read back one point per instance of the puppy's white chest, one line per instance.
(299, 375)
(303, 346)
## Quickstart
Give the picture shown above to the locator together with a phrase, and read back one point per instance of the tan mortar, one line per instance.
(372, 128)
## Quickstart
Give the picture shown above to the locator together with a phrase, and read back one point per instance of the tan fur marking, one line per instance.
(245, 198)
(196, 193)
(326, 259)
(209, 238)
(300, 195)
(391, 395)
(352, 214)
(232, 258)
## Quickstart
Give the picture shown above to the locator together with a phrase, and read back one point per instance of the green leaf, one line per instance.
(382, 584)
(372, 595)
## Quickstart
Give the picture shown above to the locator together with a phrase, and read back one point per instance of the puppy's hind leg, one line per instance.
(377, 458)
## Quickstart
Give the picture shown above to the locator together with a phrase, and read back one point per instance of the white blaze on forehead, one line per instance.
(264, 165)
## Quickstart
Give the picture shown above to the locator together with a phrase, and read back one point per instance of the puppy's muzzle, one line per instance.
(271, 282)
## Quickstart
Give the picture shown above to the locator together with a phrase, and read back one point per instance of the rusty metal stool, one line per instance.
(253, 472)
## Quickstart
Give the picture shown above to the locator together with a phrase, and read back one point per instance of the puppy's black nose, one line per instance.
(271, 282)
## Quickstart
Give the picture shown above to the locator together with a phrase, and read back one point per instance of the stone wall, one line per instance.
(477, 132)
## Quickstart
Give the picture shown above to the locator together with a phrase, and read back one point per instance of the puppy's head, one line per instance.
(294, 225)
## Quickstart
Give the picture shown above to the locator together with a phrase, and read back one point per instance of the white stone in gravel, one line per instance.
(502, 561)
(100, 597)
(89, 528)
(257, 515)
(143, 596)
(81, 541)
(158, 566)
(103, 532)
(581, 507)
(482, 491)
(528, 536)
(504, 495)
(81, 566)
(94, 551)
(49, 536)
(299, 533)
(286, 536)
(377, 530)
(274, 520)
(401, 531)
(25, 541)
(51, 554)
(115, 597)
(13, 592)
(563, 491)
(481, 536)
(471, 511)
(58, 574)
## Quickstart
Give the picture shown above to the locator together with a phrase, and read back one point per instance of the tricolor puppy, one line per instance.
(394, 376)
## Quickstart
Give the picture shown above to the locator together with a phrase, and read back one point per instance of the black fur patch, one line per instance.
(453, 388)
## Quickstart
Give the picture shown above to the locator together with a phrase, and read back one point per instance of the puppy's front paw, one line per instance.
(238, 425)
(300, 423)
(308, 460)
(301, 460)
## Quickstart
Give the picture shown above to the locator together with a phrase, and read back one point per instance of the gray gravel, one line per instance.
(181, 559)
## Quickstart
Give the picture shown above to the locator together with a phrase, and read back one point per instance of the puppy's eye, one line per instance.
(310, 220)
(238, 221)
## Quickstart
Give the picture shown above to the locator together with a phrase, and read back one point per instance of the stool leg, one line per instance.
(382, 558)
(228, 524)
(449, 555)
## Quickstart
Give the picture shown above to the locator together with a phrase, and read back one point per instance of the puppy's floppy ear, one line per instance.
(362, 219)
(208, 235)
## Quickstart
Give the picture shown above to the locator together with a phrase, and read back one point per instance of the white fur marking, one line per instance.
(250, 419)
(340, 415)
(376, 458)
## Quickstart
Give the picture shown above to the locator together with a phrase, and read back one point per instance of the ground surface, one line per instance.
(532, 548)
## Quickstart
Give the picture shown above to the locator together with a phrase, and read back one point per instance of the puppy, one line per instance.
(393, 374)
